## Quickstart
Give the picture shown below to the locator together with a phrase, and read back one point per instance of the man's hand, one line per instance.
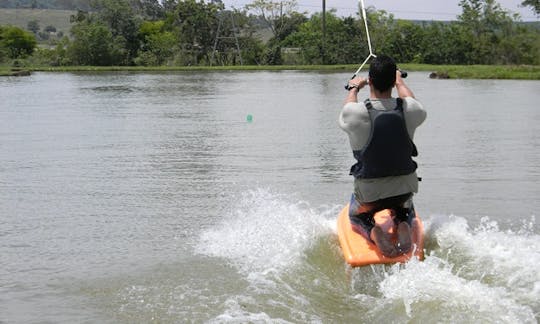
(399, 79)
(358, 83)
(354, 86)
(402, 89)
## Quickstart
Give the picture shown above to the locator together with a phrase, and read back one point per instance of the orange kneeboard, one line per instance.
(358, 251)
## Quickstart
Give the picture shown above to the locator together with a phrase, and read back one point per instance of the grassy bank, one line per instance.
(521, 72)
(517, 72)
(4, 71)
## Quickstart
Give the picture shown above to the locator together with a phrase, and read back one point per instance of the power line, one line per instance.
(438, 13)
(355, 10)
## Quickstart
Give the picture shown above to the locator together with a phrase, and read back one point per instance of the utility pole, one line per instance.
(323, 50)
(218, 36)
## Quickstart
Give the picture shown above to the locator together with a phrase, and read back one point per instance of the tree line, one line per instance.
(269, 32)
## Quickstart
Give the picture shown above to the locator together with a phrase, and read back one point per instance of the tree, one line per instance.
(158, 44)
(252, 50)
(93, 44)
(17, 42)
(149, 9)
(50, 29)
(116, 22)
(445, 43)
(234, 42)
(120, 18)
(281, 18)
(345, 45)
(379, 23)
(535, 4)
(487, 24)
(33, 26)
(195, 24)
(403, 41)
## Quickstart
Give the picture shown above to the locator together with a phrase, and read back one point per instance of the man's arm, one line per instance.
(355, 85)
(402, 89)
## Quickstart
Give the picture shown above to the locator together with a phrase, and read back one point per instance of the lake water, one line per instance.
(150, 197)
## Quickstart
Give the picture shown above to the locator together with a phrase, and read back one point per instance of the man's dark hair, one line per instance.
(382, 72)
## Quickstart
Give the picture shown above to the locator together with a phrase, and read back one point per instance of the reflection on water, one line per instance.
(152, 181)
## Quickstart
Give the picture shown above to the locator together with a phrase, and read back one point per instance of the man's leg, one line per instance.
(362, 220)
(404, 210)
(403, 219)
(361, 217)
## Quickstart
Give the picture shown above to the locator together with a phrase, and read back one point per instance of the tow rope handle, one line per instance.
(347, 87)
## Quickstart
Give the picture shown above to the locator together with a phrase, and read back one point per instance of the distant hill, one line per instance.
(534, 24)
(46, 4)
(20, 18)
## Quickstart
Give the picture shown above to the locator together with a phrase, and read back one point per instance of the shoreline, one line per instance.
(493, 72)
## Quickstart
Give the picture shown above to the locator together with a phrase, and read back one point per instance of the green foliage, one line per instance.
(234, 42)
(282, 19)
(158, 44)
(94, 44)
(484, 34)
(15, 42)
(252, 50)
(486, 25)
(120, 18)
(195, 24)
(149, 9)
(49, 56)
(50, 29)
(33, 26)
(4, 55)
(309, 40)
(151, 27)
(341, 44)
(444, 44)
(266, 32)
(279, 16)
(535, 4)
(405, 40)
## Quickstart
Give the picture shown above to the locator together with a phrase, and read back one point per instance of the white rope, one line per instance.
(371, 54)
(364, 16)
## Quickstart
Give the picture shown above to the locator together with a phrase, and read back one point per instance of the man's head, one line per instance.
(382, 73)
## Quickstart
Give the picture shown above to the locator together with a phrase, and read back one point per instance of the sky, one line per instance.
(403, 9)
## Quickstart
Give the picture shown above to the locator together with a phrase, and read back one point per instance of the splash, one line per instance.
(502, 257)
(471, 275)
(424, 287)
(266, 232)
(481, 274)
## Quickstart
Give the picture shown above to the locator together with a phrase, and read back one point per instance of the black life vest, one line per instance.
(389, 149)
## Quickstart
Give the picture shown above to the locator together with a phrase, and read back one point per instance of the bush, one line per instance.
(16, 42)
(94, 45)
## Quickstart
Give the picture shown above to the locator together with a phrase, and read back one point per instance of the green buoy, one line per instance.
(249, 118)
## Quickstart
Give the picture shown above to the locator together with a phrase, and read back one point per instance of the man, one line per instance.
(380, 132)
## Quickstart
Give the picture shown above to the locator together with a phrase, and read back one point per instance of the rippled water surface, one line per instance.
(141, 197)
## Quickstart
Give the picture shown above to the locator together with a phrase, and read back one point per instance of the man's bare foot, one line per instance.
(383, 243)
(404, 237)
